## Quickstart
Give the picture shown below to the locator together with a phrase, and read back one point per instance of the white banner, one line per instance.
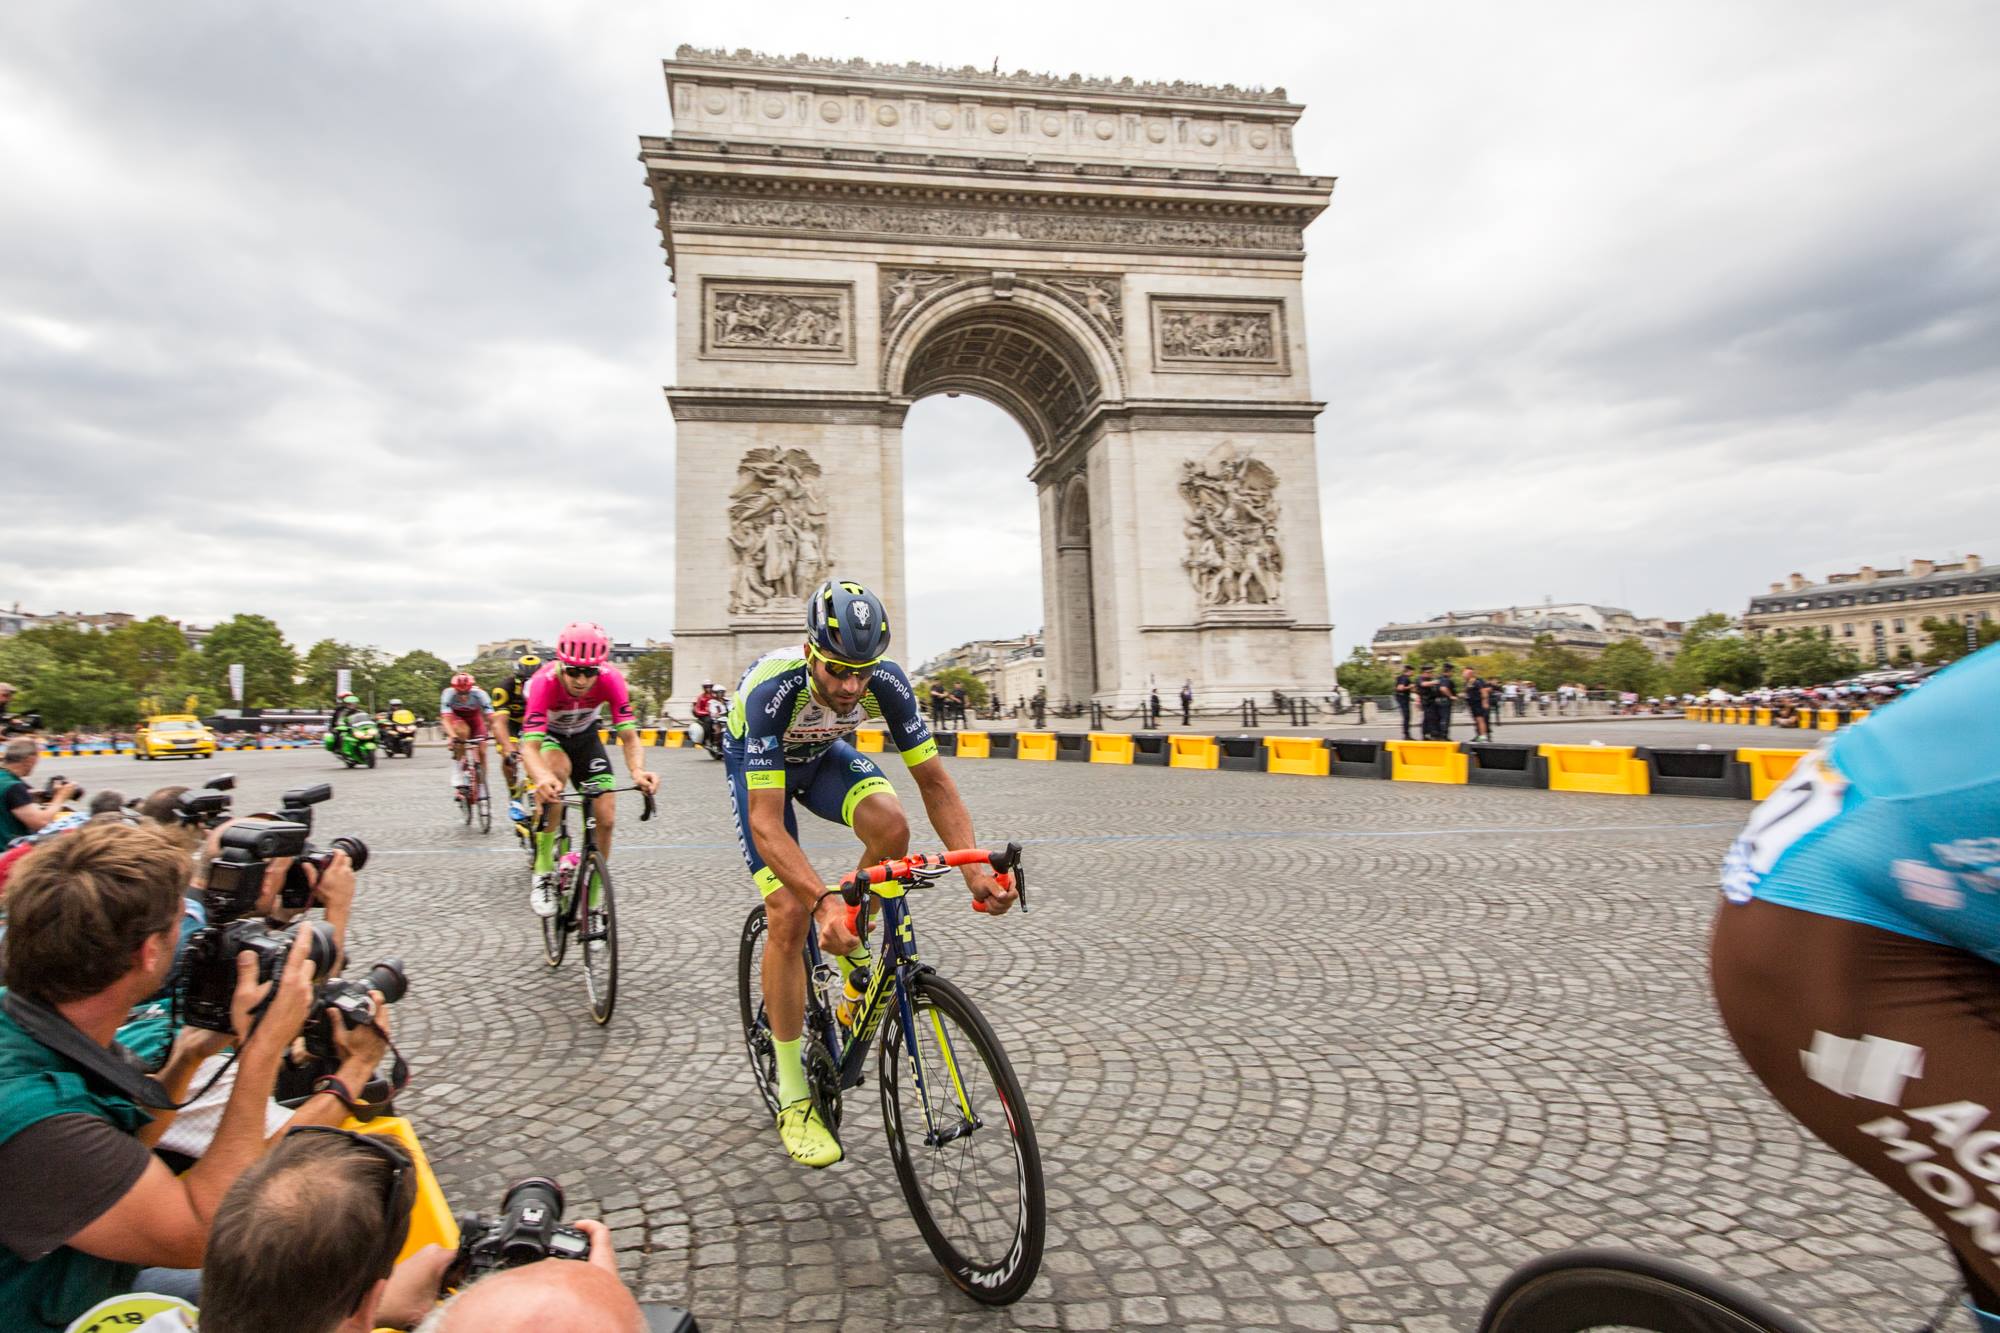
(236, 681)
(343, 681)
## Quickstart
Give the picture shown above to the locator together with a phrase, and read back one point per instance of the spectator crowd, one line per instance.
(256, 1203)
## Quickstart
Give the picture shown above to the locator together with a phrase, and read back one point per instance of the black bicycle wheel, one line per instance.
(970, 1169)
(597, 917)
(750, 1003)
(556, 927)
(1584, 1289)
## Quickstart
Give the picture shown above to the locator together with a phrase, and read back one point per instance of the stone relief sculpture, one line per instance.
(1233, 556)
(777, 529)
(1101, 298)
(1205, 335)
(711, 210)
(904, 288)
(753, 319)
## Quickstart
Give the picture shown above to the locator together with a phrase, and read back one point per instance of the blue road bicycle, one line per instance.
(959, 1133)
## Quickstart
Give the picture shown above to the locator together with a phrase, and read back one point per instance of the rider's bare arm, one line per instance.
(635, 760)
(953, 822)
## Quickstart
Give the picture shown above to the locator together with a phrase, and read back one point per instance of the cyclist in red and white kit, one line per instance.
(560, 744)
(464, 711)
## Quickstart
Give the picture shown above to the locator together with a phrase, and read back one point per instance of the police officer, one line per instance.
(1405, 684)
(1447, 696)
(1427, 699)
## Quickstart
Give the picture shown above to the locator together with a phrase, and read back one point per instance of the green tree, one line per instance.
(652, 680)
(1361, 674)
(1444, 648)
(84, 695)
(146, 652)
(1947, 638)
(1702, 628)
(975, 688)
(270, 667)
(1626, 665)
(416, 678)
(1720, 660)
(1806, 658)
(1551, 665)
(1501, 665)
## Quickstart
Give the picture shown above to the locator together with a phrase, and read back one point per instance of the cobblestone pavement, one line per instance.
(1302, 1054)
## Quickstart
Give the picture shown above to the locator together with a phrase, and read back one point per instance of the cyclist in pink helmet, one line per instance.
(560, 745)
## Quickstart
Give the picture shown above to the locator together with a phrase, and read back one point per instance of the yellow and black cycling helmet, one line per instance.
(526, 665)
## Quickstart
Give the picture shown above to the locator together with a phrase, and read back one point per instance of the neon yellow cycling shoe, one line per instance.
(806, 1136)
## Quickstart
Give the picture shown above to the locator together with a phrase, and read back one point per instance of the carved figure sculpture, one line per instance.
(767, 319)
(1233, 554)
(1197, 335)
(1101, 301)
(905, 288)
(777, 529)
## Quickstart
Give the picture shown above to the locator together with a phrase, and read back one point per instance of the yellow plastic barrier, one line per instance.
(869, 740)
(675, 739)
(1305, 755)
(1763, 717)
(974, 745)
(1111, 747)
(1860, 714)
(1608, 769)
(649, 736)
(1769, 768)
(1829, 719)
(431, 1222)
(1427, 761)
(1193, 752)
(1805, 719)
(1036, 745)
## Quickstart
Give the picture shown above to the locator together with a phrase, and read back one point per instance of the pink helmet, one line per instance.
(583, 643)
(462, 682)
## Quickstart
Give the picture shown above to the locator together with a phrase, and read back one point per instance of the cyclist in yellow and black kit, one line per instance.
(510, 702)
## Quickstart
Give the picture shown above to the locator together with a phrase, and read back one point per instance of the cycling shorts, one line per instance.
(475, 722)
(829, 786)
(589, 762)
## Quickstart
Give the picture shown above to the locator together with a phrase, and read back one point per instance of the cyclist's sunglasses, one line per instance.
(396, 1200)
(843, 670)
(586, 673)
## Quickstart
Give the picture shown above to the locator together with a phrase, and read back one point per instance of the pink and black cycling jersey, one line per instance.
(551, 710)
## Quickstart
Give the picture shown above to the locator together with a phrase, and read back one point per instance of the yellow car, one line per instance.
(173, 734)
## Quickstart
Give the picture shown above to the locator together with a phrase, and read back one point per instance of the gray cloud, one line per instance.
(358, 317)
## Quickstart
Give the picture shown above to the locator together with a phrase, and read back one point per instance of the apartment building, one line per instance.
(1879, 612)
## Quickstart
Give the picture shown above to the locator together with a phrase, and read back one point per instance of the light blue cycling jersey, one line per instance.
(1894, 823)
(474, 700)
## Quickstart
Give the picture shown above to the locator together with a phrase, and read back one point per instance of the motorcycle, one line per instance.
(355, 741)
(711, 726)
(399, 734)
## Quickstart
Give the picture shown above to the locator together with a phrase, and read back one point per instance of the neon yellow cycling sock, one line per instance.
(545, 852)
(791, 1071)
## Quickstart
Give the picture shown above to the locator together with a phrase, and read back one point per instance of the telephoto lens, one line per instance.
(389, 978)
(530, 1214)
(357, 850)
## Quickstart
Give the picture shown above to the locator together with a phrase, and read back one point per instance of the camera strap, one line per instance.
(113, 1065)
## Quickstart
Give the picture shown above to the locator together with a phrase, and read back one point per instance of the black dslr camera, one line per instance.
(351, 1002)
(296, 806)
(19, 724)
(528, 1229)
(47, 794)
(207, 805)
(235, 881)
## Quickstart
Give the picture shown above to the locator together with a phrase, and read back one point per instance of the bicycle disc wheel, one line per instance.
(598, 932)
(1618, 1289)
(970, 1169)
(750, 1003)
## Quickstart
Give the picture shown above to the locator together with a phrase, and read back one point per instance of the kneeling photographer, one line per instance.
(23, 810)
(94, 919)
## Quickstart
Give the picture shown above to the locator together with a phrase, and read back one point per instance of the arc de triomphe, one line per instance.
(1116, 265)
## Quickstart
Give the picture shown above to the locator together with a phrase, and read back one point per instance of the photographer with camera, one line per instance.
(94, 918)
(24, 810)
(15, 724)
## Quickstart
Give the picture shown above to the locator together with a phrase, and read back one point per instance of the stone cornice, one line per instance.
(969, 76)
(810, 406)
(688, 153)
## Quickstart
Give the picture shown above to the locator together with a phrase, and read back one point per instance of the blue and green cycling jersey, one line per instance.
(775, 720)
(1895, 822)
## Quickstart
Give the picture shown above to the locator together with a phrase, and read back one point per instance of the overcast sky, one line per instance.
(356, 315)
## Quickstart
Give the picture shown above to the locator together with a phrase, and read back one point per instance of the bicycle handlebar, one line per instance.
(577, 799)
(924, 865)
